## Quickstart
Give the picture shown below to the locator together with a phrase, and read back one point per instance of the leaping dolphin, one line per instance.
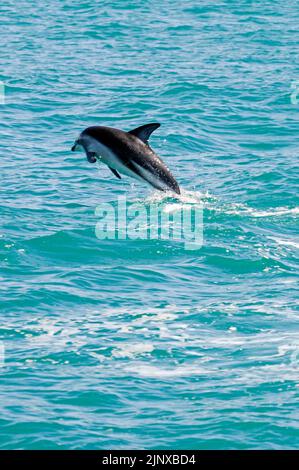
(128, 153)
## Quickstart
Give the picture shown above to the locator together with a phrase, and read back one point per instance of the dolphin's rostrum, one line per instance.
(127, 153)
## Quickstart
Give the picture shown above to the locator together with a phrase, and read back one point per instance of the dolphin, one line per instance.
(127, 153)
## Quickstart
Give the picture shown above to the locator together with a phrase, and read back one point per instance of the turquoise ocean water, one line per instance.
(142, 343)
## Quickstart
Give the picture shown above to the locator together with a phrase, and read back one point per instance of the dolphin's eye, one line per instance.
(91, 157)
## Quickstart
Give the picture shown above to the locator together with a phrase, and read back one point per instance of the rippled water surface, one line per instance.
(142, 343)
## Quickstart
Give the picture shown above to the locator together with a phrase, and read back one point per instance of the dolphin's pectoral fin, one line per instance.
(143, 132)
(115, 172)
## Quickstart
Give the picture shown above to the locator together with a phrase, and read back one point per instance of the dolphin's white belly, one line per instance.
(109, 158)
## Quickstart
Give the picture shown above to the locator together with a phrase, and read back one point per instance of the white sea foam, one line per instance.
(240, 209)
(132, 349)
(186, 197)
(145, 370)
(284, 242)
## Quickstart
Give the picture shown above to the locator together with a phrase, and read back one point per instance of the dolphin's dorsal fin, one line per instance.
(143, 132)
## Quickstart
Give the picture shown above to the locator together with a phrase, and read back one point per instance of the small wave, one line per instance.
(160, 372)
(285, 242)
(131, 350)
(240, 209)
